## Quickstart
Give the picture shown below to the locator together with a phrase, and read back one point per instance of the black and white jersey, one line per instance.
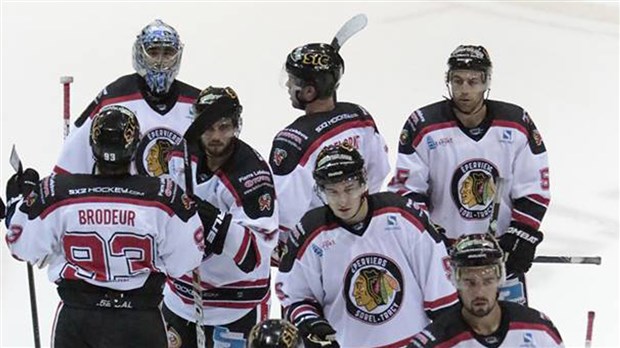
(295, 149)
(107, 231)
(452, 169)
(162, 124)
(520, 326)
(237, 280)
(377, 284)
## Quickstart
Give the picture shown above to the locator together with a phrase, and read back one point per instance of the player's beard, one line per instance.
(480, 307)
(217, 149)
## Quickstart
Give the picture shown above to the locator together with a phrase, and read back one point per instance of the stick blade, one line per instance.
(15, 161)
(350, 28)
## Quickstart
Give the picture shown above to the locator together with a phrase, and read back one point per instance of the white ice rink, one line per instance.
(558, 60)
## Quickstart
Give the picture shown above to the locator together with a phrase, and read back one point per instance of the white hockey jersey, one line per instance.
(107, 231)
(295, 148)
(237, 280)
(376, 286)
(453, 170)
(520, 326)
(162, 124)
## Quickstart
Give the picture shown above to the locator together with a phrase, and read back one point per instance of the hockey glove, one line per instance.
(21, 184)
(317, 333)
(215, 223)
(519, 242)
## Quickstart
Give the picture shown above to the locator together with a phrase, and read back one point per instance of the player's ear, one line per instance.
(308, 93)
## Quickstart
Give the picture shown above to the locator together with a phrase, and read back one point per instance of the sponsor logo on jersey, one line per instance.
(223, 337)
(153, 149)
(417, 117)
(528, 341)
(352, 141)
(506, 136)
(473, 187)
(373, 289)
(316, 249)
(392, 223)
(334, 120)
(264, 202)
(432, 144)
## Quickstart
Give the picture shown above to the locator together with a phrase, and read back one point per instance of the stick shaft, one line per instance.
(589, 329)
(592, 260)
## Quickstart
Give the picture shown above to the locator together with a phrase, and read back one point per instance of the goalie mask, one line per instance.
(274, 333)
(114, 136)
(157, 55)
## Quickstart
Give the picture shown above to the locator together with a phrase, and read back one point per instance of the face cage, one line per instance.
(498, 268)
(159, 79)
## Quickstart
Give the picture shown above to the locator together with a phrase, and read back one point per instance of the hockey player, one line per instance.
(452, 152)
(274, 333)
(160, 102)
(231, 179)
(110, 237)
(314, 71)
(477, 264)
(363, 270)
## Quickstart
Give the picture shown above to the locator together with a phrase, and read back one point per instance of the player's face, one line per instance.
(345, 198)
(478, 289)
(217, 139)
(468, 87)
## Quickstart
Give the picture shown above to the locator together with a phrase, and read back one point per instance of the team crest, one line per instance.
(373, 289)
(174, 339)
(473, 187)
(152, 152)
(404, 137)
(188, 203)
(278, 156)
(264, 202)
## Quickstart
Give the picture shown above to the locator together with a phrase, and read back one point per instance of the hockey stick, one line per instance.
(591, 260)
(196, 286)
(16, 163)
(589, 329)
(348, 29)
(66, 114)
(497, 199)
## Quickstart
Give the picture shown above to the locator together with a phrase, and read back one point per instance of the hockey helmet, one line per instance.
(157, 55)
(477, 250)
(114, 135)
(470, 57)
(337, 163)
(316, 64)
(274, 333)
(213, 104)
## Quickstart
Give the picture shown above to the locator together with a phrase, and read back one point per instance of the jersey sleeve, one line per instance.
(378, 165)
(181, 247)
(31, 234)
(299, 283)
(252, 234)
(430, 265)
(76, 155)
(530, 189)
(412, 175)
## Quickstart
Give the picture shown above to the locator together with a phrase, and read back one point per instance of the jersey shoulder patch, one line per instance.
(514, 116)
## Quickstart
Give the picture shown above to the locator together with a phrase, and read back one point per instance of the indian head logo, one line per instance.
(473, 187)
(373, 289)
(264, 202)
(153, 149)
